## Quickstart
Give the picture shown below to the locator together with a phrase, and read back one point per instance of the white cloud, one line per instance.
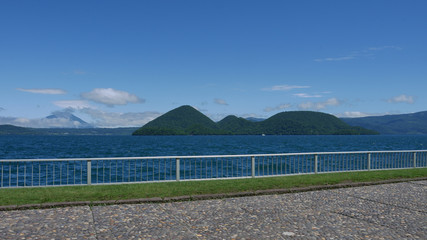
(372, 51)
(319, 105)
(383, 48)
(284, 87)
(401, 99)
(335, 59)
(305, 95)
(53, 91)
(74, 104)
(277, 108)
(220, 101)
(111, 97)
(110, 119)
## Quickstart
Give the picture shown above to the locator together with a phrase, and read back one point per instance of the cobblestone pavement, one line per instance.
(389, 211)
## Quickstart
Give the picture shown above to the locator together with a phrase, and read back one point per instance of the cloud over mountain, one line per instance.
(73, 104)
(112, 119)
(48, 122)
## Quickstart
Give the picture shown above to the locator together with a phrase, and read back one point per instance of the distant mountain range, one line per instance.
(186, 120)
(77, 127)
(413, 123)
(14, 130)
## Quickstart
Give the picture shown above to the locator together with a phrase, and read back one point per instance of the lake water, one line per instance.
(43, 173)
(35, 147)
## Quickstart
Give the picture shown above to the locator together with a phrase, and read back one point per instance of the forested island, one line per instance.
(186, 120)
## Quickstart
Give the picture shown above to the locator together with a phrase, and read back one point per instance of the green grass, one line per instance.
(20, 196)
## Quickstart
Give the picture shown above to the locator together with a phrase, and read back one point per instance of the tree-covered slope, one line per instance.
(302, 123)
(14, 130)
(414, 123)
(238, 126)
(186, 120)
(308, 123)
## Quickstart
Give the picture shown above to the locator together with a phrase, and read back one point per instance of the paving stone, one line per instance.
(389, 211)
(136, 221)
(56, 223)
(423, 182)
(405, 195)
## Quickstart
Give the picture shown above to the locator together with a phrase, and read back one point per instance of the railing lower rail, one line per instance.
(87, 171)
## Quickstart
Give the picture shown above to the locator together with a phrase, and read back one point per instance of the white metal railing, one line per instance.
(87, 171)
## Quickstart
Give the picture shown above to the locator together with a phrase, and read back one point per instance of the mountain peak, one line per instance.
(184, 120)
(74, 121)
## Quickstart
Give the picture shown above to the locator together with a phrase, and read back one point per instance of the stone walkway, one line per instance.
(389, 211)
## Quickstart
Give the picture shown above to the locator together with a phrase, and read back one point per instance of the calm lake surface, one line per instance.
(40, 173)
(34, 147)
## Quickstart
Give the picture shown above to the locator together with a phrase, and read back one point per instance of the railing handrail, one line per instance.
(112, 170)
(205, 156)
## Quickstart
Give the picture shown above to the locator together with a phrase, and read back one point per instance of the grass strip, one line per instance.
(22, 196)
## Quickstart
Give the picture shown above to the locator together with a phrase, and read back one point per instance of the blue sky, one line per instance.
(123, 63)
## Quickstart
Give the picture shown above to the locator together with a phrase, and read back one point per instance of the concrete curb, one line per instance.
(204, 196)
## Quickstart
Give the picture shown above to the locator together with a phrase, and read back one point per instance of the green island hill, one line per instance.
(186, 120)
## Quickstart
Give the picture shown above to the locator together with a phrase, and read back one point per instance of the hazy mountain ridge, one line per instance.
(413, 123)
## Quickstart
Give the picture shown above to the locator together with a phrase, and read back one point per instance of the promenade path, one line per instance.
(388, 211)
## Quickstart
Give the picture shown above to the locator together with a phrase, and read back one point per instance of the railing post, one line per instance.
(415, 159)
(253, 166)
(89, 172)
(315, 163)
(369, 161)
(177, 170)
